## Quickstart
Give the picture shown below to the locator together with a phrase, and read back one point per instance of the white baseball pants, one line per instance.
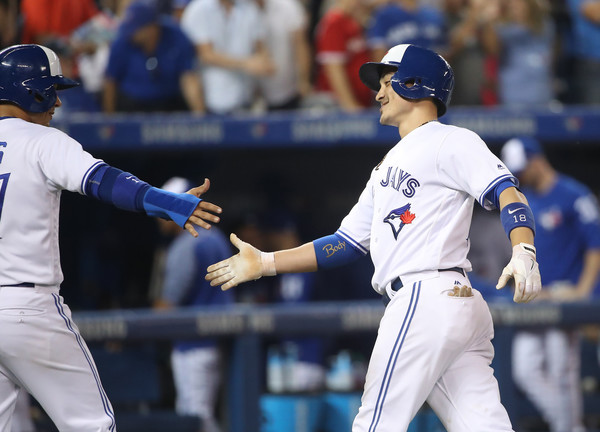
(197, 377)
(437, 349)
(42, 351)
(546, 366)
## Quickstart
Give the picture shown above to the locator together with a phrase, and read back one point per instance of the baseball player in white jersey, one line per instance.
(41, 349)
(434, 340)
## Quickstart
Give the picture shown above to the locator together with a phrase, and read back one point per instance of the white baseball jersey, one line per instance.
(415, 213)
(36, 164)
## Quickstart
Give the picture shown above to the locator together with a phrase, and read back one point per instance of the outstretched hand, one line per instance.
(246, 265)
(203, 214)
(524, 268)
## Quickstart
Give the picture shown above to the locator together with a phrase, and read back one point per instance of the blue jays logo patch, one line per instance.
(398, 218)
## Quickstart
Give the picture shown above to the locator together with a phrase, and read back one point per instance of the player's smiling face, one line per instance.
(393, 106)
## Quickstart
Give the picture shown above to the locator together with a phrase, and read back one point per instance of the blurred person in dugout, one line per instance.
(151, 65)
(304, 355)
(229, 37)
(546, 361)
(179, 273)
(341, 49)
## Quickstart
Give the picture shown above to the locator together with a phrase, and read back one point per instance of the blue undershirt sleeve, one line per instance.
(494, 194)
(334, 251)
(127, 192)
(113, 186)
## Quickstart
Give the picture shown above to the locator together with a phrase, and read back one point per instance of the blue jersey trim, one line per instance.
(492, 184)
(88, 358)
(389, 370)
(356, 244)
(493, 195)
(87, 175)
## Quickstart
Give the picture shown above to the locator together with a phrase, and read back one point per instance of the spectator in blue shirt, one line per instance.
(546, 361)
(151, 66)
(585, 16)
(196, 364)
(405, 22)
(521, 36)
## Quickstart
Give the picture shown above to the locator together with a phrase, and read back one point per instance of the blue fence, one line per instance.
(128, 132)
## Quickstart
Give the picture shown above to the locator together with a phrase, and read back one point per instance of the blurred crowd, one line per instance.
(230, 56)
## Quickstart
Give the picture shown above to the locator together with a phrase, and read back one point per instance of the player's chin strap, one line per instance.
(127, 192)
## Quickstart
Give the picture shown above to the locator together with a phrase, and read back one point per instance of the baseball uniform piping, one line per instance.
(353, 242)
(387, 377)
(87, 174)
(103, 396)
(491, 185)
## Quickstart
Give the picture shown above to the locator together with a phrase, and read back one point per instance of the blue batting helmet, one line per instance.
(420, 73)
(29, 77)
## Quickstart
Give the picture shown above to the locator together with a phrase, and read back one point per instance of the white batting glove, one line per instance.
(524, 268)
(249, 264)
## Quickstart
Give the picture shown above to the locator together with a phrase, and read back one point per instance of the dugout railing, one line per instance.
(245, 326)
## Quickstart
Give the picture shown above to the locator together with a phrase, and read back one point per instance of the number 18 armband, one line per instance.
(515, 215)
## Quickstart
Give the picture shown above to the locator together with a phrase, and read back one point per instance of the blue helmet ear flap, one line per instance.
(30, 75)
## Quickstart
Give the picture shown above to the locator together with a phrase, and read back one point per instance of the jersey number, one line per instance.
(3, 184)
(3, 180)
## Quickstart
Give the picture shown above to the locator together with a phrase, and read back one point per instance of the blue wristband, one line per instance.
(334, 251)
(169, 205)
(515, 215)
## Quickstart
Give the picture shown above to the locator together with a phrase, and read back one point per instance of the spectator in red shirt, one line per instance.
(44, 21)
(341, 49)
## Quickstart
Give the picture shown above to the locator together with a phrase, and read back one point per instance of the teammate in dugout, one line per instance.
(434, 340)
(547, 361)
(41, 349)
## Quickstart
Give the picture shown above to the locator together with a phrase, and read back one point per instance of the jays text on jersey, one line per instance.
(415, 213)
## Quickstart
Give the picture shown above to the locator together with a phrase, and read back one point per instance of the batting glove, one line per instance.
(524, 268)
(249, 264)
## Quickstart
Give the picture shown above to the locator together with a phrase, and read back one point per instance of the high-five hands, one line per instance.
(249, 264)
(524, 268)
(203, 214)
